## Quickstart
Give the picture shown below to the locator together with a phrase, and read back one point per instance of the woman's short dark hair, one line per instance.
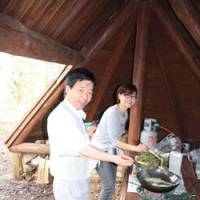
(79, 74)
(126, 89)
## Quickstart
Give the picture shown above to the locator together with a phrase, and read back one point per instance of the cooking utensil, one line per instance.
(158, 179)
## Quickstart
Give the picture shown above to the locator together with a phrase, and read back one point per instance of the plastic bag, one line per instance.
(169, 143)
(195, 155)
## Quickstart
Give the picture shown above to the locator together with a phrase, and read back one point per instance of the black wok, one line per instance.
(158, 179)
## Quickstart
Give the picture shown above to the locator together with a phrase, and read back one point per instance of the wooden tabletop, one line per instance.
(190, 181)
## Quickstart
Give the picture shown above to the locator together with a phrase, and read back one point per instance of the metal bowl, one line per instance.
(158, 179)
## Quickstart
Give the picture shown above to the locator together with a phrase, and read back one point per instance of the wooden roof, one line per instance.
(153, 43)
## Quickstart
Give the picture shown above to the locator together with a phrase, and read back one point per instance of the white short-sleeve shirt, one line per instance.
(67, 136)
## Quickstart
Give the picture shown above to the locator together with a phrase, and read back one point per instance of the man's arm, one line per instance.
(96, 154)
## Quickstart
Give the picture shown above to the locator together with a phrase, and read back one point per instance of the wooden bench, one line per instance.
(30, 150)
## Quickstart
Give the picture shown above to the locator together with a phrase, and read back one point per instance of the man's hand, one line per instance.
(124, 160)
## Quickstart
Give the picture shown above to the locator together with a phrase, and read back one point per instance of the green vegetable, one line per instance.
(148, 160)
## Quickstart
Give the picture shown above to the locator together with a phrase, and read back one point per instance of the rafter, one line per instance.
(188, 16)
(124, 36)
(177, 36)
(172, 93)
(15, 38)
(143, 19)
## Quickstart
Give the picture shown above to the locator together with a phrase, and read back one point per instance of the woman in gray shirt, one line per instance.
(108, 134)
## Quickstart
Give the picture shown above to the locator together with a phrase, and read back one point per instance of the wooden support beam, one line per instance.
(188, 16)
(124, 36)
(90, 50)
(17, 166)
(17, 39)
(39, 110)
(143, 18)
(177, 36)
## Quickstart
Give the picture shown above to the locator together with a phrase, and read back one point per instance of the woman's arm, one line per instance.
(130, 147)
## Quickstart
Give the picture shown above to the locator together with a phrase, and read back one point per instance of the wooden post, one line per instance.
(42, 171)
(17, 166)
(138, 71)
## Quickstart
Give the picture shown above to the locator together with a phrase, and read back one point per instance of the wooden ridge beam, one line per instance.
(188, 16)
(168, 23)
(143, 18)
(90, 50)
(15, 38)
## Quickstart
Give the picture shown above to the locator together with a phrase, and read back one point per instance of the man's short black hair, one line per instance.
(79, 74)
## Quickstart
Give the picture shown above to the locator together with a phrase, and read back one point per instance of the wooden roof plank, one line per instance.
(24, 42)
(71, 12)
(143, 20)
(38, 9)
(52, 9)
(90, 50)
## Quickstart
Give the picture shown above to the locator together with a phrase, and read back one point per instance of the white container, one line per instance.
(175, 162)
(149, 136)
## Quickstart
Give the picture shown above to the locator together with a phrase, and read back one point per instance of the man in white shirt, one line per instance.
(69, 142)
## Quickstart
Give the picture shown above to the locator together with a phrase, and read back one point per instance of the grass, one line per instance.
(2, 130)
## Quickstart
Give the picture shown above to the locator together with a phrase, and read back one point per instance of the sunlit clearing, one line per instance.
(22, 82)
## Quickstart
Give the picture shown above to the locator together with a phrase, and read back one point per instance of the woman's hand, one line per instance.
(141, 148)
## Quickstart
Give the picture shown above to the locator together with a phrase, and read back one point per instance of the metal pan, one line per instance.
(158, 179)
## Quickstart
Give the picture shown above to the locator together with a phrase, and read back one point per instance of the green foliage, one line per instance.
(148, 160)
(2, 130)
(24, 80)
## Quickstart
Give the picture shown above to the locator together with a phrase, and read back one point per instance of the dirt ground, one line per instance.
(11, 189)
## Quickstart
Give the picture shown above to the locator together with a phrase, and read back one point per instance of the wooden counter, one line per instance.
(190, 181)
